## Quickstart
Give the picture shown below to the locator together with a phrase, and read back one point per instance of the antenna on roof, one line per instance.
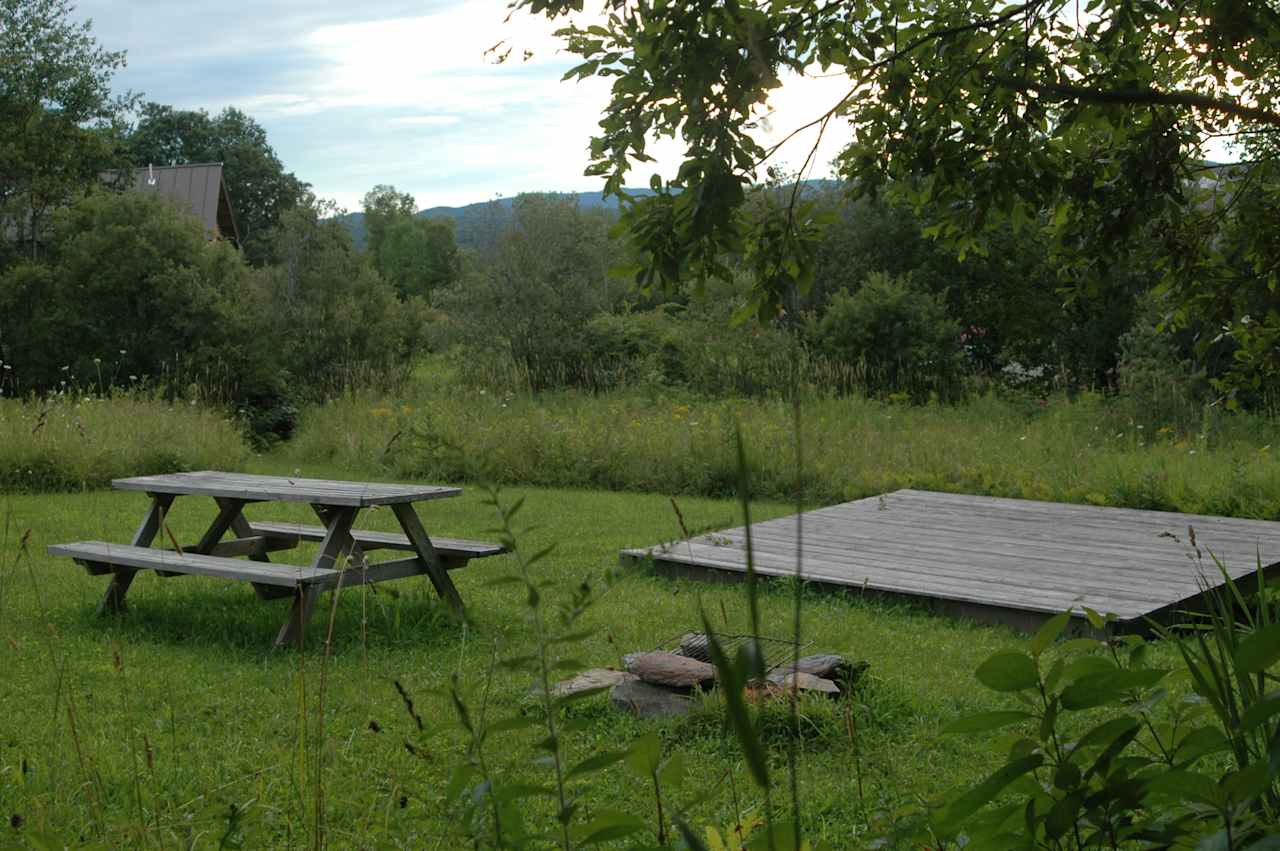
(151, 176)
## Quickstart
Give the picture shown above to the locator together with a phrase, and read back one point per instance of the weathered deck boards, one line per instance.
(1001, 560)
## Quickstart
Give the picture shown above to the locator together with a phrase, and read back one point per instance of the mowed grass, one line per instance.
(178, 725)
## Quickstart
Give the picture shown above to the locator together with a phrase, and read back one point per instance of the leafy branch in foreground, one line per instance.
(1092, 126)
(492, 807)
(1105, 752)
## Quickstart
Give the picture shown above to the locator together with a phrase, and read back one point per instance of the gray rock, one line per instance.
(649, 701)
(594, 678)
(828, 666)
(804, 682)
(670, 669)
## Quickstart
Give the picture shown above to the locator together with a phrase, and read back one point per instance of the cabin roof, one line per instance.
(198, 187)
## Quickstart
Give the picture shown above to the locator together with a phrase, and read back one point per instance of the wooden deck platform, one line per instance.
(998, 560)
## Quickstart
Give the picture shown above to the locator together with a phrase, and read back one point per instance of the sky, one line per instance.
(400, 92)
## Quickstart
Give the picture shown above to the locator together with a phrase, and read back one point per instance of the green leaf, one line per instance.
(1201, 742)
(1108, 687)
(1049, 633)
(671, 775)
(581, 694)
(987, 790)
(1185, 786)
(1247, 783)
(459, 779)
(514, 722)
(1064, 814)
(1261, 711)
(609, 826)
(1259, 651)
(595, 763)
(732, 680)
(1107, 732)
(644, 755)
(514, 791)
(987, 721)
(1008, 671)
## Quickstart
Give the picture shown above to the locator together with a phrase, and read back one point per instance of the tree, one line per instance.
(419, 256)
(60, 123)
(130, 282)
(338, 321)
(383, 205)
(531, 297)
(1090, 124)
(260, 189)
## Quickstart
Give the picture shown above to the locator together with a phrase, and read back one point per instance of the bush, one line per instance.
(523, 308)
(1157, 376)
(130, 282)
(336, 323)
(901, 339)
(134, 294)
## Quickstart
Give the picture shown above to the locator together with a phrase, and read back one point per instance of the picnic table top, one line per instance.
(284, 488)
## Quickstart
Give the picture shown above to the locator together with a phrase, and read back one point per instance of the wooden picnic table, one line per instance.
(340, 561)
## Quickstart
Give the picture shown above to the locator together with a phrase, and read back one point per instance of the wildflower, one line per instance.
(381, 412)
(133, 378)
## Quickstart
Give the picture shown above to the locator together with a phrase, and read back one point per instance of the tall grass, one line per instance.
(1086, 450)
(63, 443)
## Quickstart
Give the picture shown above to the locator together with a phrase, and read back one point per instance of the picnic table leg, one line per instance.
(239, 523)
(436, 570)
(337, 544)
(122, 577)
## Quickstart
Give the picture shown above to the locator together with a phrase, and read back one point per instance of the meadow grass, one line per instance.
(177, 725)
(1086, 450)
(73, 442)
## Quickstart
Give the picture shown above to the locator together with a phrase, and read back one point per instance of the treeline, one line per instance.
(102, 289)
(890, 313)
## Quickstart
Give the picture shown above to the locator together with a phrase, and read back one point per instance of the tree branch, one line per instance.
(910, 47)
(1153, 97)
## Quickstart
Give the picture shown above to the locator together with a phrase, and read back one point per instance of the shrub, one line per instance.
(900, 337)
(132, 281)
(1157, 375)
(525, 305)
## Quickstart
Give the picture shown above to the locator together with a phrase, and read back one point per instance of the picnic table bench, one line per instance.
(340, 561)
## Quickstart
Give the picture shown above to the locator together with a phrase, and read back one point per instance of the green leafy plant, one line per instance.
(492, 807)
(1108, 750)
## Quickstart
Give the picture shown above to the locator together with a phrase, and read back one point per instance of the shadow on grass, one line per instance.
(231, 617)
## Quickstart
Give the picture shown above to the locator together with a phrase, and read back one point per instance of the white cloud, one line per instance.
(426, 120)
(357, 94)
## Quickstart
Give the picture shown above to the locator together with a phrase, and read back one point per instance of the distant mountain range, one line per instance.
(475, 223)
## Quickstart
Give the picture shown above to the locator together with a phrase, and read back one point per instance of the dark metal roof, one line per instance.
(198, 188)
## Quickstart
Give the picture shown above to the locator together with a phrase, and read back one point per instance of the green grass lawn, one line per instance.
(153, 729)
